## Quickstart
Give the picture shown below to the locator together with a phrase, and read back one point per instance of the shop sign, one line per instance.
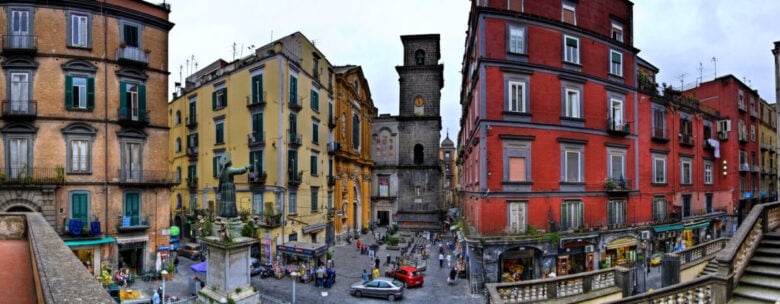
(132, 240)
(166, 232)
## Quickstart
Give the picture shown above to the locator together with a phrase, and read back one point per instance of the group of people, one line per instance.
(123, 277)
(368, 277)
(325, 276)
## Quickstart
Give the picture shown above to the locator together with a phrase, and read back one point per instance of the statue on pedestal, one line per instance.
(227, 188)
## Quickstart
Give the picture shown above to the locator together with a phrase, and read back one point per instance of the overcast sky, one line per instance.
(673, 35)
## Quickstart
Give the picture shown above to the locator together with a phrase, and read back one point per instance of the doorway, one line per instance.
(383, 217)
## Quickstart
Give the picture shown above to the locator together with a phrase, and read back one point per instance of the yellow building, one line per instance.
(269, 110)
(768, 156)
(351, 144)
(84, 128)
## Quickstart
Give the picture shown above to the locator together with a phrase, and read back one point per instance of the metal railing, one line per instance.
(20, 108)
(32, 176)
(131, 53)
(20, 42)
(140, 176)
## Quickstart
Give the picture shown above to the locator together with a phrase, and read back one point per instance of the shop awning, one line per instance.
(314, 228)
(302, 249)
(697, 225)
(669, 227)
(89, 242)
(622, 242)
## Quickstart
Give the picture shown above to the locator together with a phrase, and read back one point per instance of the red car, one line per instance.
(410, 276)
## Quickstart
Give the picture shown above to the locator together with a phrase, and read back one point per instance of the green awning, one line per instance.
(668, 227)
(697, 225)
(89, 242)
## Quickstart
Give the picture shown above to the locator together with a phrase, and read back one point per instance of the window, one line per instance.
(659, 169)
(659, 209)
(192, 142)
(516, 39)
(569, 13)
(132, 208)
(192, 174)
(219, 99)
(616, 212)
(384, 185)
(132, 103)
(293, 89)
(178, 180)
(130, 34)
(517, 214)
(20, 91)
(616, 63)
(685, 171)
(573, 104)
(686, 205)
(572, 163)
(743, 162)
(219, 132)
(708, 202)
(258, 94)
(356, 132)
(314, 193)
(517, 95)
(571, 49)
(292, 165)
(293, 203)
(177, 118)
(79, 30)
(616, 164)
(571, 214)
(21, 34)
(707, 130)
(419, 57)
(315, 133)
(752, 132)
(193, 111)
(708, 172)
(617, 30)
(131, 161)
(419, 154)
(256, 160)
(293, 237)
(313, 164)
(79, 139)
(616, 115)
(79, 206)
(517, 169)
(257, 203)
(659, 121)
(257, 127)
(315, 67)
(19, 156)
(315, 100)
(177, 147)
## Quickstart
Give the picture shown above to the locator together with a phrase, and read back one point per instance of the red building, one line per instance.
(565, 165)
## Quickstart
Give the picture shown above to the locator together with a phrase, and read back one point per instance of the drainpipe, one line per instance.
(105, 120)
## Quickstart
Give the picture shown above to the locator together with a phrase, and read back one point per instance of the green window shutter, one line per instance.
(142, 103)
(90, 93)
(252, 158)
(257, 88)
(224, 98)
(68, 92)
(189, 141)
(123, 99)
(293, 90)
(571, 42)
(330, 111)
(214, 100)
(214, 166)
(315, 133)
(80, 207)
(195, 140)
(616, 57)
(257, 125)
(564, 216)
(132, 208)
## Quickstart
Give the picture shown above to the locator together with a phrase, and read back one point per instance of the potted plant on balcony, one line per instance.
(123, 44)
(610, 185)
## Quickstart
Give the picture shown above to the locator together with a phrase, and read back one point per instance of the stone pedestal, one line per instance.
(228, 271)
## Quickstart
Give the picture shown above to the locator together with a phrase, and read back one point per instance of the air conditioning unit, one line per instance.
(646, 235)
(589, 248)
(723, 135)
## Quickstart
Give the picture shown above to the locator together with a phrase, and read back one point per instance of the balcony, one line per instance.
(133, 118)
(294, 179)
(333, 147)
(132, 224)
(744, 167)
(255, 139)
(294, 105)
(686, 140)
(80, 227)
(764, 147)
(20, 109)
(132, 55)
(331, 180)
(753, 113)
(192, 183)
(659, 135)
(146, 177)
(270, 221)
(254, 103)
(32, 176)
(755, 169)
(191, 122)
(295, 139)
(257, 178)
(331, 122)
(20, 44)
(741, 106)
(618, 127)
(192, 151)
(617, 185)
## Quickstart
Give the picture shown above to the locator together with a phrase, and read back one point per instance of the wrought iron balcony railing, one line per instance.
(20, 108)
(131, 54)
(20, 43)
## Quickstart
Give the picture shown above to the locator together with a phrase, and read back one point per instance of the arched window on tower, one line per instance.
(419, 57)
(418, 154)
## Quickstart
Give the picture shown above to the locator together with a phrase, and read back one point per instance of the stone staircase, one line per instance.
(761, 281)
(712, 267)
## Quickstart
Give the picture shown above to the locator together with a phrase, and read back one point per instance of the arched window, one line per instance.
(178, 177)
(178, 200)
(178, 144)
(418, 154)
(419, 57)
(177, 118)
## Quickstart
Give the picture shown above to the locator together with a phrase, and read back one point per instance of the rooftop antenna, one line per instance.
(180, 69)
(234, 50)
(715, 64)
(187, 62)
(682, 80)
(701, 69)
(272, 35)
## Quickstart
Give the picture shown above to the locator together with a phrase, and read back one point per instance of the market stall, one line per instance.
(300, 257)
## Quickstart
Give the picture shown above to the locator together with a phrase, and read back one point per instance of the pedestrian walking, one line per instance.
(376, 263)
(357, 244)
(388, 259)
(364, 276)
(176, 264)
(441, 260)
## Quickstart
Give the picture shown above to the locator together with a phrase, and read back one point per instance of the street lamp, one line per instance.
(293, 274)
(162, 296)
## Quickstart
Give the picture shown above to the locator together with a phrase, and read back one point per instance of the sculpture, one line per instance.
(227, 188)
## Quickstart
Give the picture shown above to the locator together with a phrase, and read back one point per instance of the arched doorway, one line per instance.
(18, 209)
(19, 205)
(519, 264)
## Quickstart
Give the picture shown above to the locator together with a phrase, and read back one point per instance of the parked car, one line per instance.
(256, 269)
(410, 276)
(192, 251)
(386, 288)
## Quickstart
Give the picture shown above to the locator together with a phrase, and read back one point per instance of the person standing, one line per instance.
(376, 263)
(375, 273)
(364, 276)
(441, 260)
(358, 246)
(176, 264)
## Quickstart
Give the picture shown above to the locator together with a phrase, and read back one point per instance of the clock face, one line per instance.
(419, 101)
